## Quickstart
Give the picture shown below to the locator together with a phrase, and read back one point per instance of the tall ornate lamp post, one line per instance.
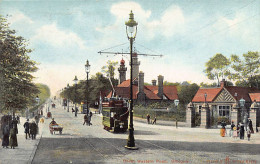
(131, 30)
(87, 68)
(75, 82)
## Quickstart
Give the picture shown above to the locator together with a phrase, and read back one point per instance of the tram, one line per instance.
(115, 115)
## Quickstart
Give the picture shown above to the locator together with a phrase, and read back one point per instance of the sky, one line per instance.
(65, 33)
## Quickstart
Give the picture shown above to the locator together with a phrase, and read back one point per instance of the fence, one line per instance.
(161, 114)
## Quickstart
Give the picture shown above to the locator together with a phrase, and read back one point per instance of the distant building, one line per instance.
(142, 93)
(224, 101)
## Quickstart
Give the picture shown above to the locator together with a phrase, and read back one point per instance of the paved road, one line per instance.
(157, 144)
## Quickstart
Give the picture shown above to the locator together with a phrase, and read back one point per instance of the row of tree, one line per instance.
(17, 90)
(245, 71)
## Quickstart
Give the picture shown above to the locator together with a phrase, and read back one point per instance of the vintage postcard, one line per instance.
(128, 81)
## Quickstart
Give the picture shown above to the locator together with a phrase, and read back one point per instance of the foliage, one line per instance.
(246, 72)
(170, 83)
(97, 83)
(17, 89)
(217, 67)
(109, 69)
(187, 92)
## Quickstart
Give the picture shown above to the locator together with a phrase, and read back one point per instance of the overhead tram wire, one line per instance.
(214, 21)
(229, 27)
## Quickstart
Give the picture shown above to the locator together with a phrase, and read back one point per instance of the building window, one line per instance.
(224, 110)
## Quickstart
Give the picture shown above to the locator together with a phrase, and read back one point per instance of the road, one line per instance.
(157, 144)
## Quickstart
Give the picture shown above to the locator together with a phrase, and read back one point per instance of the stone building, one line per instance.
(224, 101)
(142, 93)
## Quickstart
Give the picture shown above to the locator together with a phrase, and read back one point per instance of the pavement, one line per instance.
(24, 153)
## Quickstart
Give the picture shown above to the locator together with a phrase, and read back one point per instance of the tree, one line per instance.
(217, 67)
(246, 72)
(17, 89)
(187, 92)
(109, 69)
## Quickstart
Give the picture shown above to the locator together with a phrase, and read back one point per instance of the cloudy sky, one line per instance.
(65, 33)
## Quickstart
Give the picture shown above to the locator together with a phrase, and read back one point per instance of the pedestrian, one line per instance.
(72, 110)
(33, 130)
(26, 128)
(154, 121)
(42, 120)
(6, 133)
(250, 124)
(148, 118)
(14, 125)
(235, 132)
(13, 138)
(85, 119)
(242, 132)
(76, 112)
(248, 134)
(223, 129)
(231, 129)
(89, 120)
(18, 119)
(238, 130)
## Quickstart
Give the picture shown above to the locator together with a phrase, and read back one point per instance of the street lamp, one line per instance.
(87, 68)
(75, 81)
(68, 101)
(131, 30)
(205, 95)
(176, 103)
(37, 100)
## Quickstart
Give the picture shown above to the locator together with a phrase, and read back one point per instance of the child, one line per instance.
(248, 134)
(235, 132)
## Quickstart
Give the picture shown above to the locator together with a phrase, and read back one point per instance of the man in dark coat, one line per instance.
(26, 128)
(33, 130)
(13, 138)
(85, 119)
(250, 124)
(148, 118)
(6, 133)
(242, 131)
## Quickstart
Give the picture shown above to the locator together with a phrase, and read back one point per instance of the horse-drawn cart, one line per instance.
(55, 127)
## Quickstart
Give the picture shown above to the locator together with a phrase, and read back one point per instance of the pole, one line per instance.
(87, 94)
(131, 140)
(68, 102)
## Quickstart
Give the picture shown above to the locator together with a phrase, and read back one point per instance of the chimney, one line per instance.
(154, 82)
(160, 86)
(141, 82)
(141, 95)
(223, 83)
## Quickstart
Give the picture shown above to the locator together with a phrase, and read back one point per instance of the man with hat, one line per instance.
(26, 128)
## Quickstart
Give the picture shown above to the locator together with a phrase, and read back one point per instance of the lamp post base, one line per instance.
(131, 148)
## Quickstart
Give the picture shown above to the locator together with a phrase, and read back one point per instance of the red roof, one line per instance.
(123, 90)
(255, 96)
(125, 83)
(242, 92)
(211, 94)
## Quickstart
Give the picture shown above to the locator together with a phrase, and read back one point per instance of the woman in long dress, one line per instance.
(13, 138)
(6, 132)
